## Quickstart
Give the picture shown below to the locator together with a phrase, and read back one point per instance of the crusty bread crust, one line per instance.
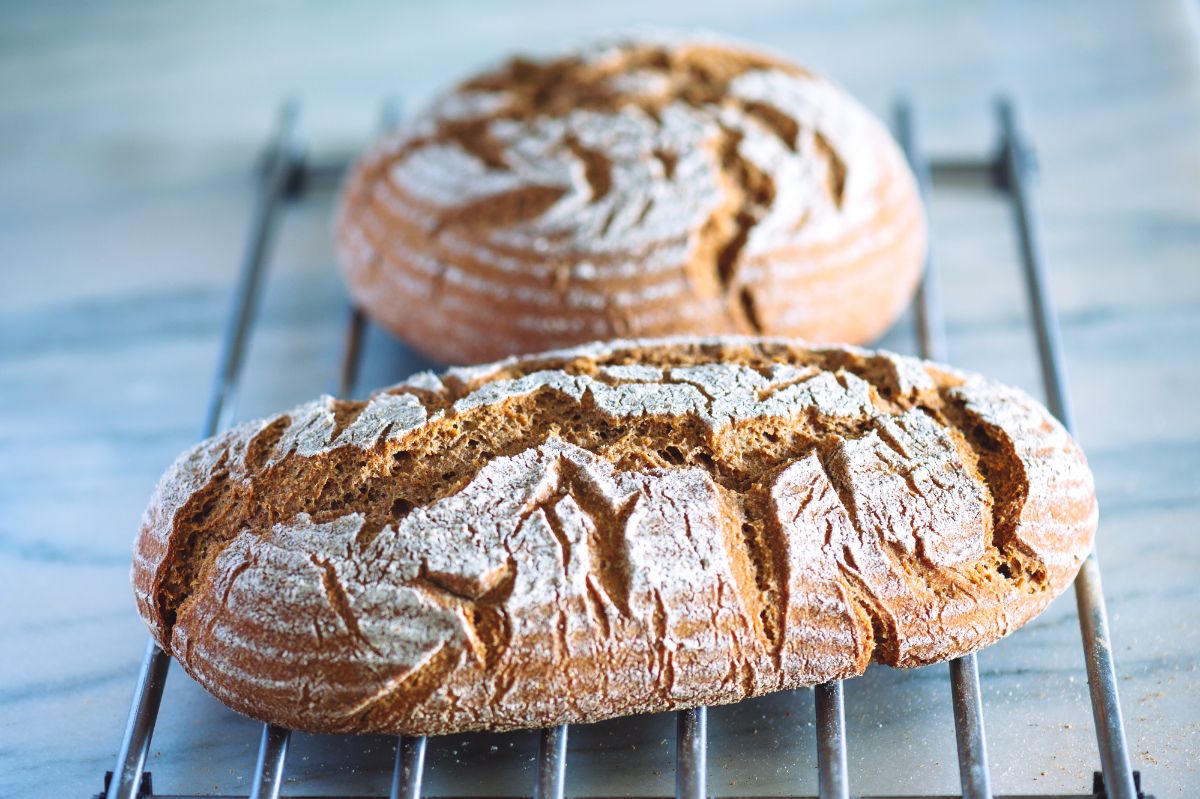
(622, 528)
(635, 189)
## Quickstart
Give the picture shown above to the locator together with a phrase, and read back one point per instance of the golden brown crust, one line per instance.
(621, 528)
(637, 189)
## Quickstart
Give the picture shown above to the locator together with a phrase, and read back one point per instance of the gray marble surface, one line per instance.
(126, 135)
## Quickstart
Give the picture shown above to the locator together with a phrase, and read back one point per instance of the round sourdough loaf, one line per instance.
(633, 189)
(620, 528)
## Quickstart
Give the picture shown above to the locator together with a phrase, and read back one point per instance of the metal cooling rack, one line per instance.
(286, 174)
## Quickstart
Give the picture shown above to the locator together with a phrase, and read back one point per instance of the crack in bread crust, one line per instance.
(667, 523)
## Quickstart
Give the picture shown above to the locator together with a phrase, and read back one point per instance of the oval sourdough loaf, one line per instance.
(615, 529)
(633, 189)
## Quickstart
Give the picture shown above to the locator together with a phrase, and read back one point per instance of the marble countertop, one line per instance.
(127, 134)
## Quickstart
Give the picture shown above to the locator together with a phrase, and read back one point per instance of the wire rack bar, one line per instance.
(691, 753)
(279, 158)
(1018, 168)
(1092, 795)
(930, 320)
(135, 744)
(833, 781)
(965, 692)
(272, 752)
(347, 379)
(968, 727)
(552, 763)
(961, 172)
(409, 771)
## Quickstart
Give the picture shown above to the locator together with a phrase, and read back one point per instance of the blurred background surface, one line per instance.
(127, 138)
